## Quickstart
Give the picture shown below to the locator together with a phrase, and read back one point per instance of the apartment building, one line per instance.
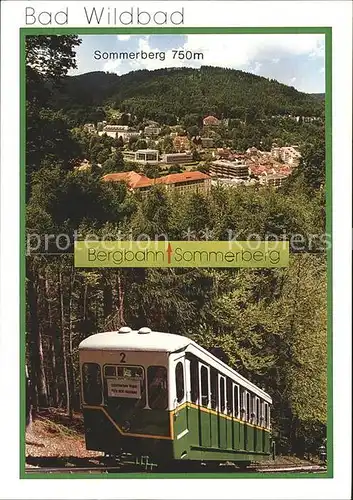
(185, 182)
(229, 169)
(147, 155)
(116, 131)
(273, 180)
(177, 157)
(288, 154)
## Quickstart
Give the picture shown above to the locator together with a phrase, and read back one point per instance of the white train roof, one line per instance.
(130, 340)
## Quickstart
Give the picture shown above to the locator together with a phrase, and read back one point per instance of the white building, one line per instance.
(89, 127)
(288, 154)
(229, 169)
(177, 157)
(151, 131)
(116, 131)
(147, 155)
(274, 180)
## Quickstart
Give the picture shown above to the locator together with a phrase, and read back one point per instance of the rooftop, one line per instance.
(211, 120)
(135, 180)
(182, 177)
(227, 163)
(275, 176)
(147, 151)
(179, 155)
(132, 179)
(152, 341)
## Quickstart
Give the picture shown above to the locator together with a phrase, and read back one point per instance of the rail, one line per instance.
(100, 469)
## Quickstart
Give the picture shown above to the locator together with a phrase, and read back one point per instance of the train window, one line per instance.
(157, 387)
(130, 372)
(267, 416)
(229, 397)
(204, 386)
(262, 418)
(248, 409)
(194, 380)
(179, 381)
(257, 411)
(110, 371)
(242, 404)
(222, 398)
(92, 383)
(214, 389)
(236, 401)
(253, 408)
(124, 386)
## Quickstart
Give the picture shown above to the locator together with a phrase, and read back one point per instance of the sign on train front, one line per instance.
(124, 388)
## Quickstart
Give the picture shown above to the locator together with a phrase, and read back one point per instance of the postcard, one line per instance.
(174, 239)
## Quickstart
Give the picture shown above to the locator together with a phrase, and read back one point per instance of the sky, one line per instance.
(295, 60)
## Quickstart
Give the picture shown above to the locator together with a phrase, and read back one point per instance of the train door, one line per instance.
(214, 408)
(252, 428)
(222, 421)
(242, 426)
(236, 423)
(247, 436)
(266, 426)
(192, 368)
(180, 410)
(230, 412)
(257, 433)
(262, 425)
(204, 403)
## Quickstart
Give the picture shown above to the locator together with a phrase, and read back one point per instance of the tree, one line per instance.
(174, 169)
(140, 144)
(119, 142)
(103, 155)
(132, 142)
(115, 163)
(57, 144)
(196, 155)
(151, 171)
(48, 59)
(193, 131)
(124, 119)
(166, 144)
(192, 120)
(313, 164)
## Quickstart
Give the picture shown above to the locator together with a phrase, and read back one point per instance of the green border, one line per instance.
(327, 31)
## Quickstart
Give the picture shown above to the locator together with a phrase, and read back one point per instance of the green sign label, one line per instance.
(181, 254)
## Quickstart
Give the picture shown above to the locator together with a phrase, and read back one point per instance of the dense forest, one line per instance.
(167, 95)
(269, 324)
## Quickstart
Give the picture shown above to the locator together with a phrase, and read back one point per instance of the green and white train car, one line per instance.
(162, 396)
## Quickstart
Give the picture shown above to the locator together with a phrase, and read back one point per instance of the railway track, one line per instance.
(101, 469)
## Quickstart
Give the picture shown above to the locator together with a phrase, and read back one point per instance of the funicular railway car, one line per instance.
(162, 396)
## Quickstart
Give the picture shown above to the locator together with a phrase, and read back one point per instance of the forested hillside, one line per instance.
(269, 324)
(169, 94)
